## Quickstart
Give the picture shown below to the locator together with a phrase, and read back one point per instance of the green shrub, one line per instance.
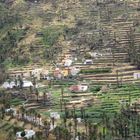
(95, 89)
(8, 63)
(18, 34)
(52, 34)
(96, 71)
(87, 56)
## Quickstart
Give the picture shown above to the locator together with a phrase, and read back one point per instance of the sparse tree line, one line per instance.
(123, 125)
(8, 51)
(133, 48)
(9, 39)
(7, 16)
(100, 37)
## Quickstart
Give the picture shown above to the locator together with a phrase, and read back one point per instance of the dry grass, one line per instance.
(2, 136)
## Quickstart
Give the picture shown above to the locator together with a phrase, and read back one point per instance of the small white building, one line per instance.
(12, 84)
(136, 75)
(79, 88)
(67, 62)
(36, 73)
(54, 115)
(28, 134)
(7, 85)
(88, 62)
(74, 71)
(57, 73)
(12, 110)
(83, 88)
(95, 54)
(27, 84)
(79, 120)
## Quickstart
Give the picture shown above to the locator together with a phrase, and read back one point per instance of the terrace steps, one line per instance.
(76, 64)
(110, 60)
(116, 67)
(109, 78)
(32, 105)
(125, 74)
(78, 95)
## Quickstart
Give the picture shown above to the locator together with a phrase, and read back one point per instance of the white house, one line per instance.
(13, 110)
(8, 85)
(12, 84)
(57, 73)
(88, 61)
(68, 63)
(28, 134)
(79, 88)
(36, 73)
(136, 75)
(79, 120)
(27, 84)
(83, 88)
(55, 115)
(74, 71)
(95, 54)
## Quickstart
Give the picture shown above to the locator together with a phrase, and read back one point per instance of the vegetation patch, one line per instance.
(51, 35)
(96, 71)
(18, 34)
(95, 89)
(16, 101)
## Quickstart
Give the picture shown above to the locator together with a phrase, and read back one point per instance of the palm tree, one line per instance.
(44, 97)
(2, 112)
(31, 90)
(34, 81)
(37, 94)
(47, 128)
(65, 109)
(138, 125)
(6, 100)
(33, 113)
(104, 132)
(62, 93)
(100, 136)
(22, 110)
(82, 113)
(75, 125)
(16, 82)
(86, 125)
(57, 133)
(83, 136)
(10, 135)
(95, 131)
(20, 82)
(66, 134)
(74, 111)
(79, 135)
(70, 127)
(53, 121)
(3, 74)
(39, 135)
(65, 121)
(90, 130)
(9, 81)
(61, 105)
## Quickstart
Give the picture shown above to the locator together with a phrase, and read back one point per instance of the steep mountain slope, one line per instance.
(43, 31)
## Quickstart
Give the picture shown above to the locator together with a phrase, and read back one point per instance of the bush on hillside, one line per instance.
(52, 34)
(95, 71)
(95, 89)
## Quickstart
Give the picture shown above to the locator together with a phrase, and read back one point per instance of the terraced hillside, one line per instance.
(44, 33)
(47, 31)
(116, 39)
